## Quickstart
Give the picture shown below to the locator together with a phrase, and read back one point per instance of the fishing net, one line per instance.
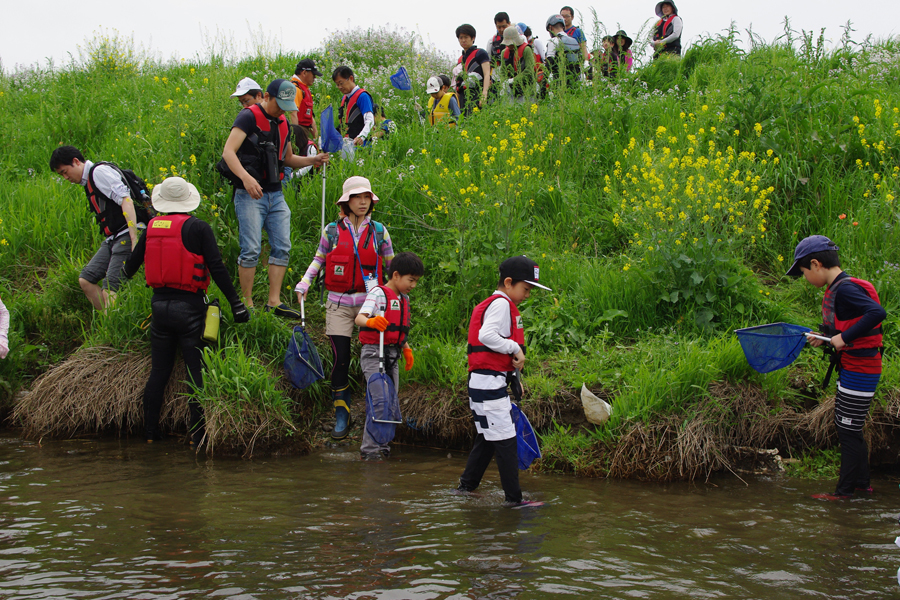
(526, 440)
(331, 139)
(382, 408)
(400, 80)
(773, 346)
(301, 361)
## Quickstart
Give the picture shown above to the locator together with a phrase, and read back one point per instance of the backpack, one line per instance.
(572, 48)
(140, 195)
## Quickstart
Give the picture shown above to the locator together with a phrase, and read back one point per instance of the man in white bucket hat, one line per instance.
(179, 254)
(355, 252)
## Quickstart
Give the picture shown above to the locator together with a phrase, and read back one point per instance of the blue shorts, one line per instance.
(271, 213)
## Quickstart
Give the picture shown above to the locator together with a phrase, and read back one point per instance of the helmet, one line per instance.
(555, 20)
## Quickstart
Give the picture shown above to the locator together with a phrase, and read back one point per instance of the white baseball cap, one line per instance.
(433, 85)
(244, 86)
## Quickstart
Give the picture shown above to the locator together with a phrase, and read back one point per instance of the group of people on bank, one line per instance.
(368, 284)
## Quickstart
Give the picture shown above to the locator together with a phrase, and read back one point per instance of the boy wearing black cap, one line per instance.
(497, 349)
(303, 121)
(852, 316)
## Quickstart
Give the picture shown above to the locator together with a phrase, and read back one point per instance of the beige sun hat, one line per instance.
(175, 195)
(512, 37)
(356, 185)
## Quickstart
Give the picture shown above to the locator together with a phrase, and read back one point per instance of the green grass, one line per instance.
(662, 207)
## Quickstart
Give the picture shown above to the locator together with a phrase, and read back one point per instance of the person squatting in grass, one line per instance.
(179, 253)
(248, 92)
(355, 252)
(852, 316)
(517, 66)
(386, 308)
(442, 105)
(496, 348)
(109, 198)
(667, 31)
(256, 152)
(473, 71)
(356, 114)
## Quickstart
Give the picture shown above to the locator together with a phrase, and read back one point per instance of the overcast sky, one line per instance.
(169, 28)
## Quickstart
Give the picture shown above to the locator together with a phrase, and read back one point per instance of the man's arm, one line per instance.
(232, 145)
(298, 162)
(485, 81)
(131, 219)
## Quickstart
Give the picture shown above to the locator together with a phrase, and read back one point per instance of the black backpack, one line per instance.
(140, 195)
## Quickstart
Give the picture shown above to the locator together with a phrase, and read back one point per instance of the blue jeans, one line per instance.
(271, 213)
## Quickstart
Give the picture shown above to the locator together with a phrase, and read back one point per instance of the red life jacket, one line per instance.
(833, 326)
(167, 263)
(264, 124)
(496, 49)
(571, 31)
(305, 108)
(511, 60)
(482, 357)
(460, 85)
(342, 270)
(396, 311)
(351, 122)
(663, 29)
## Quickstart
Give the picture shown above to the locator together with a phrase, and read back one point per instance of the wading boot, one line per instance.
(342, 420)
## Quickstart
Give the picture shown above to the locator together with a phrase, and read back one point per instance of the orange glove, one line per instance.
(408, 357)
(379, 323)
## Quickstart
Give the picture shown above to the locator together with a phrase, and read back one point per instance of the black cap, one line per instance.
(522, 268)
(307, 65)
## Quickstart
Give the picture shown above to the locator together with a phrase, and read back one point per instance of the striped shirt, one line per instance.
(385, 250)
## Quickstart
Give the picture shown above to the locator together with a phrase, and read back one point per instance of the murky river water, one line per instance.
(119, 519)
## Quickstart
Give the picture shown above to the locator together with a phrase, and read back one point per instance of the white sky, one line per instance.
(178, 29)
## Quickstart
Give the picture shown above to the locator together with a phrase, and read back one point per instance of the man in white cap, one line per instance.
(179, 254)
(256, 152)
(442, 105)
(248, 92)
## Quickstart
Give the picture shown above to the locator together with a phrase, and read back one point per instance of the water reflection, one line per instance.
(113, 519)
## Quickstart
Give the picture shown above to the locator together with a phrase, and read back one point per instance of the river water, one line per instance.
(121, 519)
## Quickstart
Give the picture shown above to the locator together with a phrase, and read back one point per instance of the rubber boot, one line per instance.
(342, 419)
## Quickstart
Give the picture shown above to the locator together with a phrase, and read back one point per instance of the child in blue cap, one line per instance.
(852, 316)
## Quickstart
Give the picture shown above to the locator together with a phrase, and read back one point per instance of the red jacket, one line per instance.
(167, 263)
(396, 312)
(342, 270)
(482, 357)
(305, 107)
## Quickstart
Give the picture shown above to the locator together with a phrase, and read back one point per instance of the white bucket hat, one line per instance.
(512, 37)
(175, 195)
(356, 185)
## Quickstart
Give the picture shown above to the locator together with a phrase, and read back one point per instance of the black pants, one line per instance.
(175, 324)
(340, 371)
(507, 464)
(854, 462)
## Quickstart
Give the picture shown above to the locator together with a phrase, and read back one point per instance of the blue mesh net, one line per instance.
(400, 80)
(382, 408)
(526, 440)
(331, 139)
(301, 361)
(773, 346)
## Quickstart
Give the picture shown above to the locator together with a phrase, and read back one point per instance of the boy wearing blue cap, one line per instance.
(852, 316)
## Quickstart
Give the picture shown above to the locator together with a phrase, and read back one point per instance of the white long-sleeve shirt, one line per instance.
(4, 330)
(496, 328)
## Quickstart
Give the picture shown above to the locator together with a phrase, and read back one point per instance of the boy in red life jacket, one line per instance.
(392, 301)
(496, 349)
(303, 121)
(473, 73)
(852, 316)
(354, 253)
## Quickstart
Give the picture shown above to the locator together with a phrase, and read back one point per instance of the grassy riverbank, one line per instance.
(662, 207)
